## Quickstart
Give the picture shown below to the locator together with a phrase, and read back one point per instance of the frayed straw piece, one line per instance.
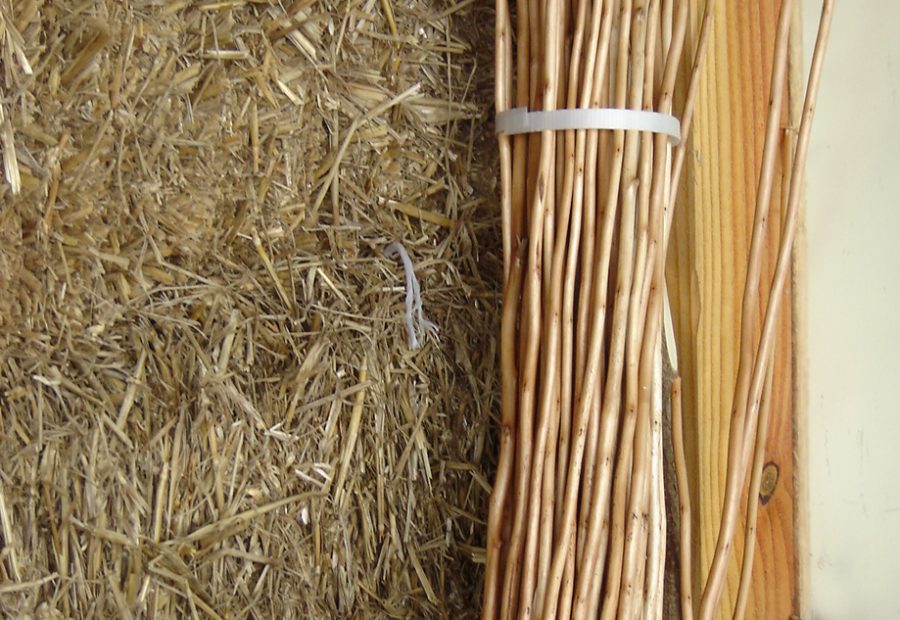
(8, 541)
(352, 434)
(10, 588)
(14, 41)
(416, 323)
(10, 163)
(224, 525)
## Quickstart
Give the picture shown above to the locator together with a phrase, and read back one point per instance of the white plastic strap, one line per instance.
(520, 120)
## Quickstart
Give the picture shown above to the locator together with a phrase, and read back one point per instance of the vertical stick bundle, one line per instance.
(577, 523)
(577, 513)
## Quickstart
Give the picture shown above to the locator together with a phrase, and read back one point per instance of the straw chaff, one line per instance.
(207, 404)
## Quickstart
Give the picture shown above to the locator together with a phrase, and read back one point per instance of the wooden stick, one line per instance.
(545, 536)
(564, 610)
(656, 545)
(599, 159)
(500, 494)
(685, 571)
(502, 93)
(520, 142)
(637, 597)
(530, 330)
(586, 293)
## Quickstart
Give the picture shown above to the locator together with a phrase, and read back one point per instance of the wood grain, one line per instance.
(706, 274)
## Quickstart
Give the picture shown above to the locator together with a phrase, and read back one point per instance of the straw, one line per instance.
(186, 430)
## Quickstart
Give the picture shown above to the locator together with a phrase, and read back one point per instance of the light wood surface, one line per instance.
(706, 274)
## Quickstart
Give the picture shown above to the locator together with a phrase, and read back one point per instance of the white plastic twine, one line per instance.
(417, 326)
(520, 120)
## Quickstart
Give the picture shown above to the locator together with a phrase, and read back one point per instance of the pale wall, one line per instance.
(853, 247)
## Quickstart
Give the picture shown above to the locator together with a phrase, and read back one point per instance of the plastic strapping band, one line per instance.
(520, 120)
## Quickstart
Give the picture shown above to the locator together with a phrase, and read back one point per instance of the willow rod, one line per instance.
(685, 572)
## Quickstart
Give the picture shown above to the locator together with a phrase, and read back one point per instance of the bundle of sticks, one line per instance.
(578, 520)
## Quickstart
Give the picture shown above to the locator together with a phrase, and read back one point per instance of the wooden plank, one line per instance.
(706, 272)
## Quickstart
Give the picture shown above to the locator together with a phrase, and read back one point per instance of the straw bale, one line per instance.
(207, 403)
